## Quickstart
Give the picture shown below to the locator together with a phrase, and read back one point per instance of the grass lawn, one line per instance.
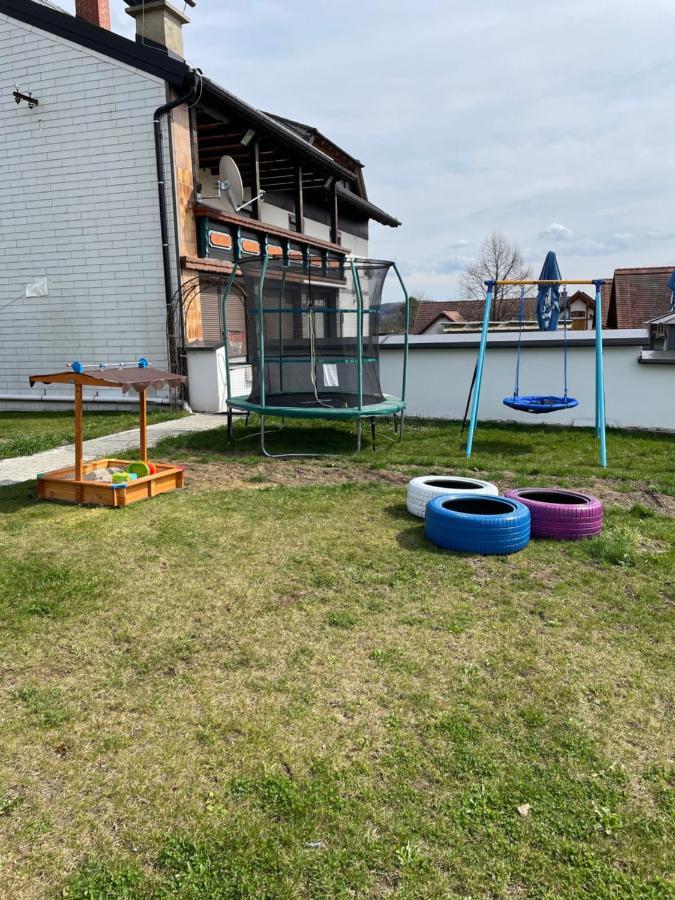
(270, 685)
(23, 433)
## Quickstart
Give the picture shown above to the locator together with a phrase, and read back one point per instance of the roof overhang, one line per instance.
(71, 28)
(272, 128)
(365, 206)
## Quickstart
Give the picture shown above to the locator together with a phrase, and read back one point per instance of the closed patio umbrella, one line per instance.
(548, 295)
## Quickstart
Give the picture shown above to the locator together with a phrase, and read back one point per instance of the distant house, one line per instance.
(638, 296)
(443, 316)
(582, 310)
(630, 299)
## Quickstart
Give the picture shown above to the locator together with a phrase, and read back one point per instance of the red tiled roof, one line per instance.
(429, 311)
(638, 295)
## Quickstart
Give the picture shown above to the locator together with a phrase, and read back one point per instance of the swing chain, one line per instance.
(520, 340)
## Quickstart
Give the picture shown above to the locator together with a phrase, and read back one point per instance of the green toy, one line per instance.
(139, 469)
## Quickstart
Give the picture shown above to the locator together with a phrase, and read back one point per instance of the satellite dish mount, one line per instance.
(230, 184)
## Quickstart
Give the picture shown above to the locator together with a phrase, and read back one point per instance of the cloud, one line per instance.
(456, 263)
(455, 152)
(557, 232)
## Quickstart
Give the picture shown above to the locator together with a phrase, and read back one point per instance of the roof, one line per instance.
(667, 319)
(583, 297)
(638, 295)
(56, 21)
(130, 377)
(281, 132)
(429, 311)
(310, 134)
(176, 73)
(374, 212)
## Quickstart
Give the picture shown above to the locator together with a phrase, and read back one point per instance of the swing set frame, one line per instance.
(600, 424)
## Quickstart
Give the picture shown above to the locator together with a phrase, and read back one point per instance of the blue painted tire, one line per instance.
(489, 526)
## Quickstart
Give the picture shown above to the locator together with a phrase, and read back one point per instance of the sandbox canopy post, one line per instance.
(143, 424)
(79, 448)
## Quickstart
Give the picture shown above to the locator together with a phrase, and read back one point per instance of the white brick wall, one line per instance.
(78, 203)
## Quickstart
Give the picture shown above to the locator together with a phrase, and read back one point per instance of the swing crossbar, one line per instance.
(544, 281)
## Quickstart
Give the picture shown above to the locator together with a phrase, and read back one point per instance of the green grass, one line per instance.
(23, 433)
(284, 691)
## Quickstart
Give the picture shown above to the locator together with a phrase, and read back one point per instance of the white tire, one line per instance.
(423, 489)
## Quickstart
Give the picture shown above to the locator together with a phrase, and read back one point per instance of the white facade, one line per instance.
(440, 371)
(78, 201)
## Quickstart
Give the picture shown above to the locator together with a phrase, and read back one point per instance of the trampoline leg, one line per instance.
(372, 429)
(358, 435)
(230, 431)
(263, 449)
(400, 427)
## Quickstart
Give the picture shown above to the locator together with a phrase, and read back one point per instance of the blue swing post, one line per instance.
(479, 365)
(599, 375)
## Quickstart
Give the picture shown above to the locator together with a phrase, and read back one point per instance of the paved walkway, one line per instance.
(25, 468)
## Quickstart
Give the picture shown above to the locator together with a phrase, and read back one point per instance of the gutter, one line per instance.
(158, 115)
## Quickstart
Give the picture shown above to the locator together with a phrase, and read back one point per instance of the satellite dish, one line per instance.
(230, 182)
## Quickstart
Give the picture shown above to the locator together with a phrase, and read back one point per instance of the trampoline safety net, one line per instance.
(303, 334)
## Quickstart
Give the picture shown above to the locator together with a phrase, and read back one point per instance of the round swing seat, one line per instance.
(540, 404)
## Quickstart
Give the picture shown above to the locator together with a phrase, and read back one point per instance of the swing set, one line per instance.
(535, 403)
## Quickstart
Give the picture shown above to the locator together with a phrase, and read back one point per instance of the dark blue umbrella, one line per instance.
(548, 295)
(671, 285)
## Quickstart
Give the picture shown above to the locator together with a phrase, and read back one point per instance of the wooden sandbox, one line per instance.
(64, 485)
(71, 485)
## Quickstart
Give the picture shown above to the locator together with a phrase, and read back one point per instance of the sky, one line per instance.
(550, 122)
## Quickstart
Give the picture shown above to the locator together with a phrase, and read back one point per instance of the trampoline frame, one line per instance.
(389, 406)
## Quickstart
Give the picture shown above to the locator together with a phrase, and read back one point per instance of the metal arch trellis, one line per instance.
(177, 314)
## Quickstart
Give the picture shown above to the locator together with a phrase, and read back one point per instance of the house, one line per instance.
(638, 295)
(116, 238)
(642, 292)
(442, 316)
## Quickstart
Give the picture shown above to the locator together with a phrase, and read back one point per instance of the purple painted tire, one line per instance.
(561, 515)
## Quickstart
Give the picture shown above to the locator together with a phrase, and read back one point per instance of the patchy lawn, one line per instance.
(270, 685)
(23, 433)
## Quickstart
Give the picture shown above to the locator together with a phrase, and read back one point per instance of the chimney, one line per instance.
(97, 12)
(159, 24)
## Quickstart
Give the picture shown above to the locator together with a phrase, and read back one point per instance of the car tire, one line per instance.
(485, 525)
(423, 489)
(561, 515)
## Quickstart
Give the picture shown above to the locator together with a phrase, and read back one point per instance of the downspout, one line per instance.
(159, 113)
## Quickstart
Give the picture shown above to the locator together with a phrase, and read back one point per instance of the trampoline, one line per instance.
(312, 343)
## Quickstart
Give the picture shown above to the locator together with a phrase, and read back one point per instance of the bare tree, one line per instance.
(498, 260)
